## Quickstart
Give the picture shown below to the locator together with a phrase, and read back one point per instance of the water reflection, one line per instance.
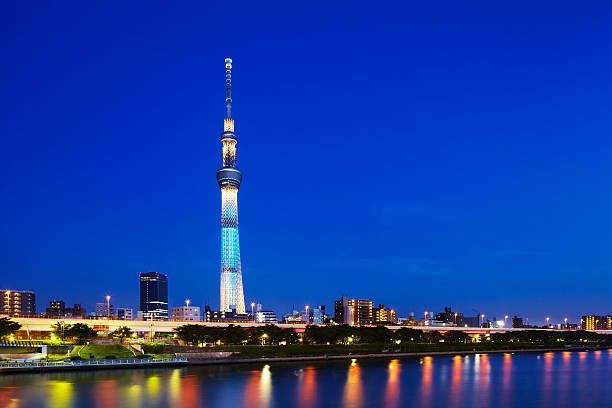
(106, 394)
(259, 388)
(456, 381)
(61, 394)
(352, 387)
(393, 386)
(547, 380)
(426, 380)
(506, 394)
(308, 387)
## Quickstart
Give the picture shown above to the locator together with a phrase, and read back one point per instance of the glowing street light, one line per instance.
(252, 314)
(307, 319)
(187, 302)
(547, 319)
(565, 320)
(506, 321)
(108, 306)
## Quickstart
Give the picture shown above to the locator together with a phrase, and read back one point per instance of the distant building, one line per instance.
(185, 314)
(125, 313)
(383, 314)
(17, 303)
(104, 310)
(154, 296)
(266, 316)
(450, 318)
(592, 322)
(354, 311)
(56, 308)
(517, 322)
(470, 321)
(225, 317)
(318, 315)
(75, 312)
(607, 322)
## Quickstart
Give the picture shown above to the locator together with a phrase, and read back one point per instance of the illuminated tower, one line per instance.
(229, 178)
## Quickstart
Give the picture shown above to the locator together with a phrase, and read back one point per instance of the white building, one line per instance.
(103, 309)
(265, 316)
(186, 314)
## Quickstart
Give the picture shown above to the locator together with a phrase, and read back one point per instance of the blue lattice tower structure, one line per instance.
(229, 179)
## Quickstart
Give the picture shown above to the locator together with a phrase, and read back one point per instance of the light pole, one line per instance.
(547, 325)
(565, 320)
(506, 321)
(252, 314)
(307, 318)
(482, 317)
(107, 306)
(455, 318)
(186, 314)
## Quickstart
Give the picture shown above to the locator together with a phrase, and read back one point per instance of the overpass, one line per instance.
(42, 325)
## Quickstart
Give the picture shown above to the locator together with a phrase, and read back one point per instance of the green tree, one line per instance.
(8, 327)
(81, 333)
(60, 330)
(122, 332)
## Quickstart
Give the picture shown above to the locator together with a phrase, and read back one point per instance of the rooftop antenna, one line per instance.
(228, 85)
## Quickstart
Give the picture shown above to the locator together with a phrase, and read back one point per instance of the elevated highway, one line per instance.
(38, 325)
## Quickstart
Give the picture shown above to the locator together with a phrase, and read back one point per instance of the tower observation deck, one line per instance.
(229, 179)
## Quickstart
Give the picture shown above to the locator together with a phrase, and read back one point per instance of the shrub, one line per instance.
(153, 348)
(111, 357)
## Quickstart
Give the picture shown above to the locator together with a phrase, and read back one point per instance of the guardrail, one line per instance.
(85, 363)
(21, 343)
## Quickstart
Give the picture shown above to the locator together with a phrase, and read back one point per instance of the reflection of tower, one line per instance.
(229, 178)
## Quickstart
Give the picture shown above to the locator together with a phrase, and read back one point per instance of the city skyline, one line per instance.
(467, 164)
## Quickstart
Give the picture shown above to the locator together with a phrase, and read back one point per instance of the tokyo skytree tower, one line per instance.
(229, 178)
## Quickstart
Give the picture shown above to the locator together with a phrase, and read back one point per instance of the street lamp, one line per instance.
(547, 325)
(307, 319)
(252, 314)
(107, 306)
(506, 321)
(565, 320)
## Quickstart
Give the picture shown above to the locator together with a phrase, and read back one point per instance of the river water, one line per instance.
(567, 379)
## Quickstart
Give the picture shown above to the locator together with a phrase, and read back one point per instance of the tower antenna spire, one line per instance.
(228, 86)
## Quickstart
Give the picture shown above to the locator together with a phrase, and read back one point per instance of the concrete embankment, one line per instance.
(41, 367)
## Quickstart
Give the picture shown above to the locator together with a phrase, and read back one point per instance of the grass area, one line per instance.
(105, 351)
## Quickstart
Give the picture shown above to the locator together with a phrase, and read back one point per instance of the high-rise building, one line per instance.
(383, 314)
(353, 311)
(185, 314)
(17, 303)
(154, 296)
(592, 322)
(57, 308)
(229, 179)
(318, 315)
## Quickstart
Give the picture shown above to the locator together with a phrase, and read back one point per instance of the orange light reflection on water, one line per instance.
(107, 394)
(456, 382)
(308, 387)
(353, 388)
(393, 388)
(426, 382)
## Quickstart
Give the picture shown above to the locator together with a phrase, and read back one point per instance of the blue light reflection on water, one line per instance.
(565, 379)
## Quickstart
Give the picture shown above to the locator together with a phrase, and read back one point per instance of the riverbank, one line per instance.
(39, 367)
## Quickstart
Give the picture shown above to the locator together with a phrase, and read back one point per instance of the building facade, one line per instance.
(229, 179)
(383, 314)
(57, 308)
(353, 311)
(593, 322)
(104, 310)
(18, 303)
(185, 314)
(154, 296)
(266, 316)
(125, 313)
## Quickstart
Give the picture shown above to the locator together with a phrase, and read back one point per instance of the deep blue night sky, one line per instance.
(418, 155)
